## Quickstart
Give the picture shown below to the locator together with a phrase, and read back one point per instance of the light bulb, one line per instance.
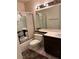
(45, 4)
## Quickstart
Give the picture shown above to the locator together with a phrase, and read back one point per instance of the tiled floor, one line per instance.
(29, 54)
(42, 52)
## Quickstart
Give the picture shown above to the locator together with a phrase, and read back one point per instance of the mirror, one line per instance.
(41, 20)
(48, 18)
(22, 31)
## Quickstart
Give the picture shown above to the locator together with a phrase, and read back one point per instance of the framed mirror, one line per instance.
(48, 18)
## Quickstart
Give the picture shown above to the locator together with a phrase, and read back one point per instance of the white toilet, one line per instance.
(36, 42)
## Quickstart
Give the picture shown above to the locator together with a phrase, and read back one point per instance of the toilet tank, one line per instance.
(38, 36)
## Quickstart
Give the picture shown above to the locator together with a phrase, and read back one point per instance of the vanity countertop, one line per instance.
(52, 32)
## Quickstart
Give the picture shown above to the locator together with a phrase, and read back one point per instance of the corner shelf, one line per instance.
(47, 7)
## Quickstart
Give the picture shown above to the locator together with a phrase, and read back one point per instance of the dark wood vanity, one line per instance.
(52, 45)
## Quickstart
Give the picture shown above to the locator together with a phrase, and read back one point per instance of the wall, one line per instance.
(28, 6)
(21, 7)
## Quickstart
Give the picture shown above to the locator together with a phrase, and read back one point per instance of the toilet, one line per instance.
(36, 42)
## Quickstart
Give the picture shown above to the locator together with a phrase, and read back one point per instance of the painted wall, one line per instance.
(21, 7)
(28, 6)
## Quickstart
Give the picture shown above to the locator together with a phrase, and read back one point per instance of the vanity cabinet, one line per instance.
(52, 45)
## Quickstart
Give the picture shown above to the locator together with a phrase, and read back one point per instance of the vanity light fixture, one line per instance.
(45, 4)
(37, 6)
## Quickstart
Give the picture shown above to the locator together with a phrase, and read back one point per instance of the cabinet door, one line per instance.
(52, 46)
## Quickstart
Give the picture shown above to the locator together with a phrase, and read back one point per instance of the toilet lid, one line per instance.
(33, 42)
